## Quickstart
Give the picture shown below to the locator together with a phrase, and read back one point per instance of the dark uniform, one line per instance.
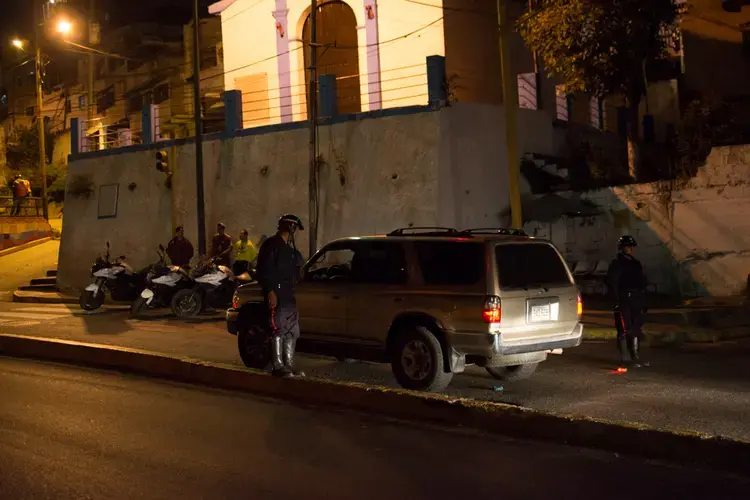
(278, 266)
(627, 287)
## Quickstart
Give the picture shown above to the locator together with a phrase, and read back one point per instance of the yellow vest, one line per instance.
(245, 251)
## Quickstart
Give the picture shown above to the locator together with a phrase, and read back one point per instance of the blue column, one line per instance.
(437, 90)
(148, 123)
(75, 136)
(327, 96)
(232, 111)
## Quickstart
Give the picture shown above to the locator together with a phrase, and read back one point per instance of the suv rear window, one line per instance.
(450, 262)
(528, 265)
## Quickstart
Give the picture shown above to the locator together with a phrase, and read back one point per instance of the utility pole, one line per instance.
(198, 131)
(509, 103)
(40, 114)
(90, 98)
(312, 109)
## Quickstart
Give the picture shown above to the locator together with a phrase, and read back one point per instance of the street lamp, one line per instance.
(64, 27)
(17, 43)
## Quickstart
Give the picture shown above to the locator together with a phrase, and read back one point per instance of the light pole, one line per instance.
(198, 132)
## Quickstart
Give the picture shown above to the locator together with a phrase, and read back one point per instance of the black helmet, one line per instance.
(626, 241)
(292, 220)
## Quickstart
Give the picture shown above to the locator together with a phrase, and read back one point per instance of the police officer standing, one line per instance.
(278, 267)
(627, 287)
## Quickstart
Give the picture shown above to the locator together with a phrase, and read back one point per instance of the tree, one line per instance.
(22, 153)
(602, 47)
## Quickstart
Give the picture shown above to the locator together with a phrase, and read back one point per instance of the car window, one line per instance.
(450, 262)
(380, 262)
(530, 265)
(334, 264)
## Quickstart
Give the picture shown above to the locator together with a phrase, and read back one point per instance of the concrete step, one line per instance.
(44, 281)
(52, 273)
(38, 288)
(43, 297)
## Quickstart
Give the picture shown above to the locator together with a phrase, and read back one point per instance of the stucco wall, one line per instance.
(420, 167)
(694, 237)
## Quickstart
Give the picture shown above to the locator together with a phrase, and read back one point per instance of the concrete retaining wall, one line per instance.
(20, 230)
(414, 166)
(694, 236)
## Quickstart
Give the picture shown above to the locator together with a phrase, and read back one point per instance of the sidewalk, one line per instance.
(18, 268)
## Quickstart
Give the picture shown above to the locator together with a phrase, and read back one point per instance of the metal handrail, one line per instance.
(30, 206)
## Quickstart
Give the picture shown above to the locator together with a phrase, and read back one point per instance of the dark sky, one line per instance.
(17, 15)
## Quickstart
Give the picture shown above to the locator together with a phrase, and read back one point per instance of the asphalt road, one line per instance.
(84, 434)
(703, 388)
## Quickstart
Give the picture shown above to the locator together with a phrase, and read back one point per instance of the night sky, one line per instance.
(16, 17)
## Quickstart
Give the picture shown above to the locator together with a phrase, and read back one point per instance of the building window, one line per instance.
(161, 93)
(81, 102)
(210, 58)
(30, 111)
(68, 106)
(527, 91)
(135, 103)
(562, 103)
(105, 100)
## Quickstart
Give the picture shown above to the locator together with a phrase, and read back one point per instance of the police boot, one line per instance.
(635, 353)
(277, 358)
(622, 346)
(289, 346)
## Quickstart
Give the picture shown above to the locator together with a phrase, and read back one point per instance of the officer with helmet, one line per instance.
(279, 263)
(627, 287)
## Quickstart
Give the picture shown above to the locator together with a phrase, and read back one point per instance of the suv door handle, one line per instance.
(398, 299)
(335, 297)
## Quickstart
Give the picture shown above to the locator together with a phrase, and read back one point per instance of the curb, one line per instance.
(671, 337)
(43, 298)
(687, 448)
(25, 246)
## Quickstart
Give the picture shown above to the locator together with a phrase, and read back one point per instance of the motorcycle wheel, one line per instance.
(255, 348)
(89, 302)
(187, 303)
(137, 307)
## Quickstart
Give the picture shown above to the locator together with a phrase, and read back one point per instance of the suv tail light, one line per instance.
(491, 313)
(579, 308)
(236, 301)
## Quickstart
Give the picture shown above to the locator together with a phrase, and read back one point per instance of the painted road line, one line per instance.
(18, 324)
(46, 310)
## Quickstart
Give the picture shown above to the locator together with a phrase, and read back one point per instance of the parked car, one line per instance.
(429, 302)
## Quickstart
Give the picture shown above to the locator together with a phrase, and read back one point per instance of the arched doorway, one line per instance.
(338, 53)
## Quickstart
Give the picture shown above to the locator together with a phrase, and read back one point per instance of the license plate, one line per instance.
(540, 313)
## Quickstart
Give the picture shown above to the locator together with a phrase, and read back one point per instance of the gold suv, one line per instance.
(428, 301)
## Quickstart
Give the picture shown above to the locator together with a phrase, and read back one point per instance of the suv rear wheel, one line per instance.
(417, 361)
(512, 373)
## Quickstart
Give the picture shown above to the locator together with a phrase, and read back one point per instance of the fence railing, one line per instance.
(263, 101)
(21, 207)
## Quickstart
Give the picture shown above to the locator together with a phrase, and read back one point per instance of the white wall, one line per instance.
(253, 46)
(693, 237)
(429, 168)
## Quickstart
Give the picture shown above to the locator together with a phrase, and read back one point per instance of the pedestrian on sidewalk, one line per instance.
(21, 190)
(244, 254)
(179, 249)
(278, 268)
(627, 289)
(221, 245)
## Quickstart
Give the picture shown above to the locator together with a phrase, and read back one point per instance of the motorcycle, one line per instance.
(115, 277)
(214, 287)
(162, 282)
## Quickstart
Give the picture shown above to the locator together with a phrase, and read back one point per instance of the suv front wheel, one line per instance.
(512, 373)
(417, 361)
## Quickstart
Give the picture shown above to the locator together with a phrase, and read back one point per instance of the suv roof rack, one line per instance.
(504, 231)
(425, 231)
